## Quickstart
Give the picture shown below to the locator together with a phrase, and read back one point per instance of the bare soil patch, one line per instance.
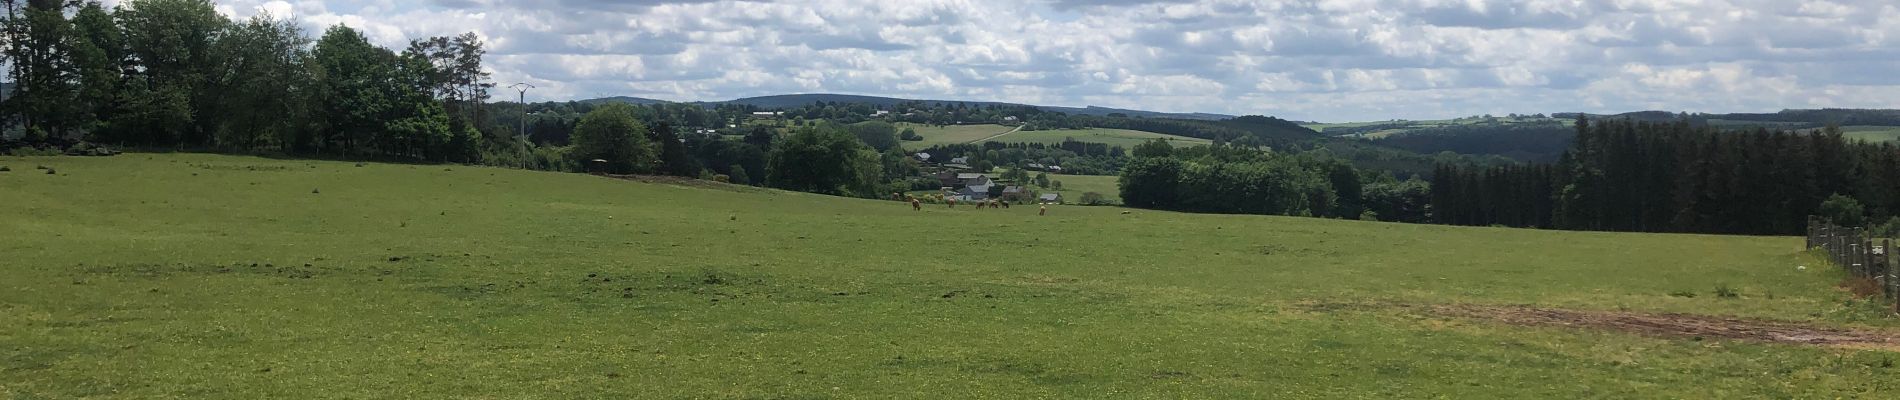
(1670, 325)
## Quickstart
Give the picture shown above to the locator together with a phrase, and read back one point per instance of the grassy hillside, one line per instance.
(1385, 129)
(1113, 137)
(194, 276)
(950, 134)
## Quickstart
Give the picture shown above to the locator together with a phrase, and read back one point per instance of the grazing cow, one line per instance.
(1045, 211)
(914, 205)
(952, 201)
(1005, 205)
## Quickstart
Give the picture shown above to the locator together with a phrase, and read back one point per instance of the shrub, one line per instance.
(1093, 199)
(1843, 211)
(1726, 292)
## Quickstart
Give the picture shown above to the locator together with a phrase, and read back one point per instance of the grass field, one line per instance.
(1073, 186)
(197, 276)
(1406, 126)
(1113, 137)
(951, 134)
(1876, 134)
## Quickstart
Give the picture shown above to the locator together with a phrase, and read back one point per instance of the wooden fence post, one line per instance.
(1886, 269)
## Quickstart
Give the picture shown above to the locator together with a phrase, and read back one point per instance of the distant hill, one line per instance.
(624, 99)
(1782, 119)
(799, 100)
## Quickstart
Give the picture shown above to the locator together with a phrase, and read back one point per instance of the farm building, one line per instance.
(1051, 198)
(971, 194)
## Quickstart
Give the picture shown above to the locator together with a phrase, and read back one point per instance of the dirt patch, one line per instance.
(1861, 287)
(1670, 325)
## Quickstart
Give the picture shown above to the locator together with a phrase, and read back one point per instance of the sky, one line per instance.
(1313, 60)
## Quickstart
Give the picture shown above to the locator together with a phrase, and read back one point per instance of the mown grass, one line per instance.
(1127, 139)
(949, 134)
(197, 276)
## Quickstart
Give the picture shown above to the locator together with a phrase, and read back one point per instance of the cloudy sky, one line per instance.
(1326, 60)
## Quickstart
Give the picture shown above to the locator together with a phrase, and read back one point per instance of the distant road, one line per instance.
(1019, 128)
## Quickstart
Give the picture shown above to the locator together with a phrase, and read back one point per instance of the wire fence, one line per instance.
(1866, 259)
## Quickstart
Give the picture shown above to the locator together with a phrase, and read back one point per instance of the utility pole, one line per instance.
(523, 88)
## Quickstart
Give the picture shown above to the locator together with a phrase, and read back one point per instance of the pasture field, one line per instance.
(1876, 134)
(951, 134)
(209, 277)
(1073, 186)
(1127, 139)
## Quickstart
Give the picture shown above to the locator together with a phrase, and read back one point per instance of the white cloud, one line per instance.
(1302, 59)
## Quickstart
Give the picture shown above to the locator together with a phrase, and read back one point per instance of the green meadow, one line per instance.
(1876, 134)
(223, 277)
(1113, 137)
(1073, 186)
(950, 134)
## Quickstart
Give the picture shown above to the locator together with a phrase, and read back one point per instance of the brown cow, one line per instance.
(1045, 211)
(914, 205)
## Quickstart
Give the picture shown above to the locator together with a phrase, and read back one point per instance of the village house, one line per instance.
(1051, 198)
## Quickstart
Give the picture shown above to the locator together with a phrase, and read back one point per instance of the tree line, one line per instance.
(1624, 175)
(177, 74)
(1236, 180)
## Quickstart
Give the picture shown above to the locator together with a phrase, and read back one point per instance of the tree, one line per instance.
(1345, 183)
(610, 133)
(910, 135)
(879, 135)
(1042, 179)
(1150, 182)
(457, 77)
(1019, 175)
(99, 55)
(1154, 148)
(739, 175)
(673, 157)
(1843, 211)
(265, 83)
(40, 60)
(171, 41)
(761, 136)
(1093, 199)
(823, 159)
(351, 77)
